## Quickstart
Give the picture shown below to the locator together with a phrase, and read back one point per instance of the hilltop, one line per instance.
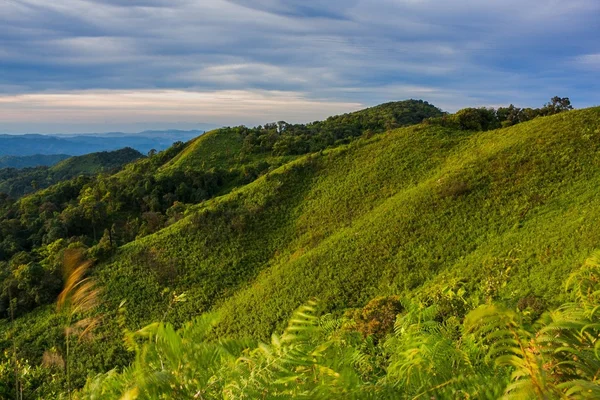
(397, 200)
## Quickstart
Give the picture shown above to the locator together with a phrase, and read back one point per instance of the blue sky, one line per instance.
(91, 66)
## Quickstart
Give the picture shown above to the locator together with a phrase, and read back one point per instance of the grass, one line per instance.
(416, 211)
(210, 150)
(398, 213)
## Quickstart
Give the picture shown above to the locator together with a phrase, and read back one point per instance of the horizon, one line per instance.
(89, 66)
(133, 133)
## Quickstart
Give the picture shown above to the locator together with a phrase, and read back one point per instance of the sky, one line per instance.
(71, 66)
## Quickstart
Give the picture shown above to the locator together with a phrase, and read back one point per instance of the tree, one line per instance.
(557, 105)
(476, 119)
(94, 208)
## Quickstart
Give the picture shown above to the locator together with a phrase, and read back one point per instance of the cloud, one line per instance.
(591, 61)
(231, 107)
(352, 51)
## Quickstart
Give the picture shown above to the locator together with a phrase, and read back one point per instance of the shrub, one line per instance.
(377, 318)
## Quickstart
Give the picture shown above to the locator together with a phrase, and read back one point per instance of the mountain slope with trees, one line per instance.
(439, 214)
(18, 182)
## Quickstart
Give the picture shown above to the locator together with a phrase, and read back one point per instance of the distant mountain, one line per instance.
(18, 182)
(33, 144)
(169, 133)
(37, 160)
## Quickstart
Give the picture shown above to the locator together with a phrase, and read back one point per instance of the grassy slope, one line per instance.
(397, 213)
(528, 202)
(211, 149)
(219, 150)
(417, 205)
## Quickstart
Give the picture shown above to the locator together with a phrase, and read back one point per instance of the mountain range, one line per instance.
(74, 145)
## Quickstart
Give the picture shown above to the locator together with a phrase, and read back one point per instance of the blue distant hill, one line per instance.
(74, 145)
(37, 160)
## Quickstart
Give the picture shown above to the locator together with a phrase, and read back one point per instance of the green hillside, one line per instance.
(102, 212)
(394, 214)
(94, 163)
(211, 149)
(18, 182)
(251, 223)
(231, 147)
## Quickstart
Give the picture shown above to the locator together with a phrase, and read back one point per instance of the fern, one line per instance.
(427, 359)
(494, 353)
(559, 358)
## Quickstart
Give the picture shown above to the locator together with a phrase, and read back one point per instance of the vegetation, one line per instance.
(31, 161)
(484, 119)
(282, 138)
(428, 222)
(18, 182)
(142, 199)
(493, 352)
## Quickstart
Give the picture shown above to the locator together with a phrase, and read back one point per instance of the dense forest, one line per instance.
(427, 253)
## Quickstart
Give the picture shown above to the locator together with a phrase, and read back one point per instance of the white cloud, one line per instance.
(452, 53)
(591, 61)
(244, 73)
(227, 107)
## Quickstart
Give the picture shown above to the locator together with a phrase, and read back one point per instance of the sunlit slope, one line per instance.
(231, 239)
(521, 203)
(225, 148)
(391, 214)
(210, 150)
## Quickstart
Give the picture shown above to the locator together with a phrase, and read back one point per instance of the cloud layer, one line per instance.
(339, 55)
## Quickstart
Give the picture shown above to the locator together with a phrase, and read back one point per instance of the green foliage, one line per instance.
(557, 357)
(282, 138)
(34, 381)
(447, 217)
(485, 119)
(19, 182)
(27, 283)
(425, 357)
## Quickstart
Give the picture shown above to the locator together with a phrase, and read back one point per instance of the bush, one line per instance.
(377, 318)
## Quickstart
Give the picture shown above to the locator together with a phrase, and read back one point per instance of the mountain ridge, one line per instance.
(36, 160)
(81, 144)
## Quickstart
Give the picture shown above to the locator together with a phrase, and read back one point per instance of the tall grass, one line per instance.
(79, 297)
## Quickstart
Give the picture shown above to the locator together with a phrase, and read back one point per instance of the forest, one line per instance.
(394, 252)
(36, 160)
(16, 182)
